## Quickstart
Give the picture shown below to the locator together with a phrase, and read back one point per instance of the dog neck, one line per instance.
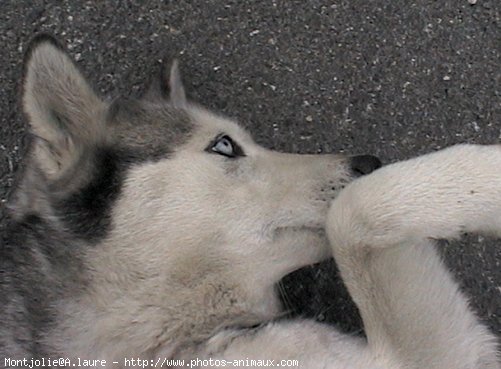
(135, 320)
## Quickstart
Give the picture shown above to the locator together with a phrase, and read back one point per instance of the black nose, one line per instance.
(364, 164)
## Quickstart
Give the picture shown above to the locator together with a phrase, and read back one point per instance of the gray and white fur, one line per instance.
(153, 228)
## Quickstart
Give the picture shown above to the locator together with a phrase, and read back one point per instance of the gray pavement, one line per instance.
(391, 78)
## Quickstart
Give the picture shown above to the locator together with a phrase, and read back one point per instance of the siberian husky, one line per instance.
(145, 232)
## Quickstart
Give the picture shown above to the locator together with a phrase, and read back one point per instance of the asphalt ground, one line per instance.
(391, 78)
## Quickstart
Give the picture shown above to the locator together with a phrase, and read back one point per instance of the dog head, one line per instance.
(188, 223)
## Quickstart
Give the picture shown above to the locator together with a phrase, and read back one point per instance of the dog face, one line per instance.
(188, 224)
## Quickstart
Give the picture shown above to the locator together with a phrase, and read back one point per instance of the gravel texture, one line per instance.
(391, 78)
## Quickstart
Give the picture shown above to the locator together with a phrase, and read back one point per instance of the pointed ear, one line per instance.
(177, 95)
(62, 109)
(169, 86)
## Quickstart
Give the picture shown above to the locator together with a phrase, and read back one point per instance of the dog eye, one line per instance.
(225, 146)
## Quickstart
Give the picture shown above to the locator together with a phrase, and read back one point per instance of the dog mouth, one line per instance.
(299, 229)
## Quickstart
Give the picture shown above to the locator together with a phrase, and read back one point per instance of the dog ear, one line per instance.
(177, 95)
(168, 85)
(63, 111)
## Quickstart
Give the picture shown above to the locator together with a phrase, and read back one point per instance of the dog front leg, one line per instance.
(381, 230)
(298, 343)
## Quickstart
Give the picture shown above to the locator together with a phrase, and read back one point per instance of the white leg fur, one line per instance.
(380, 229)
(297, 344)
